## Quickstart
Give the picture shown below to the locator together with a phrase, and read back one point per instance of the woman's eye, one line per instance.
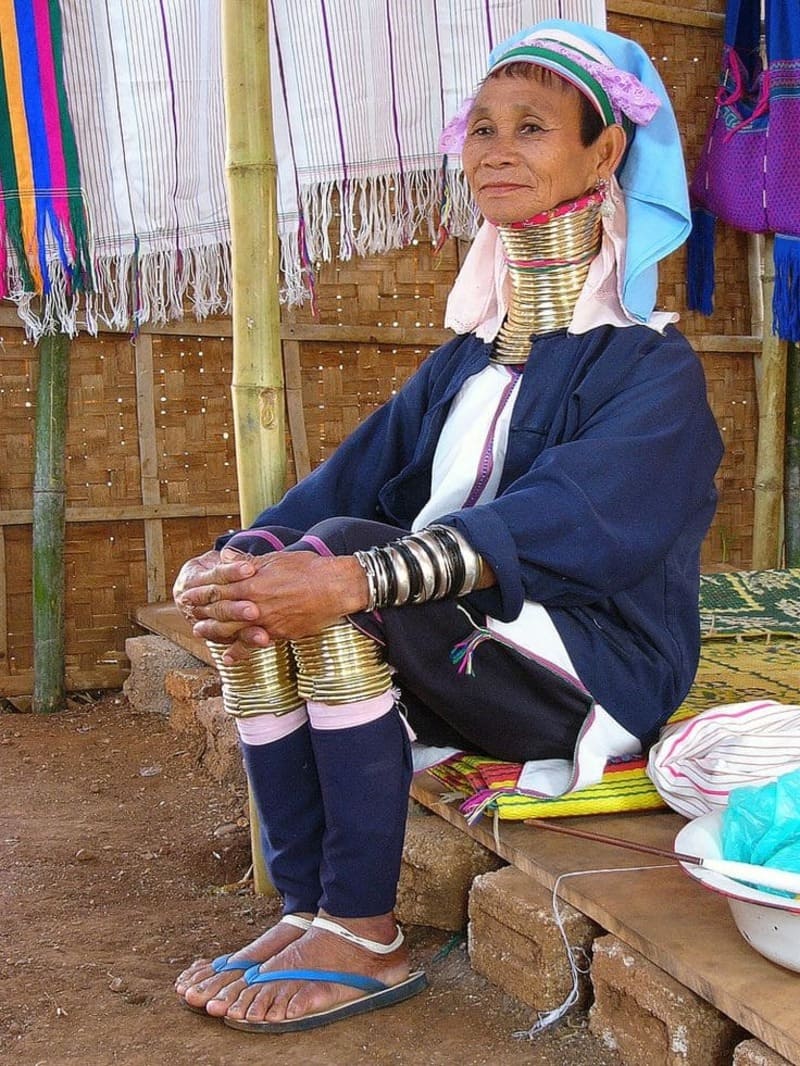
(479, 131)
(530, 127)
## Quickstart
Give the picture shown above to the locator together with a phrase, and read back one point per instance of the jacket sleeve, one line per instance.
(597, 512)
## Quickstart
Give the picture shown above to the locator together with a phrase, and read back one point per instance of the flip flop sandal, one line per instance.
(376, 993)
(226, 964)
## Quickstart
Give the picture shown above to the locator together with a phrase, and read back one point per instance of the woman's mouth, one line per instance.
(497, 188)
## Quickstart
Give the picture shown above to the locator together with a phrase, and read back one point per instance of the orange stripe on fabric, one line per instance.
(19, 131)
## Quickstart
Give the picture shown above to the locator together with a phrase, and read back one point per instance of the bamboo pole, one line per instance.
(49, 510)
(257, 389)
(771, 381)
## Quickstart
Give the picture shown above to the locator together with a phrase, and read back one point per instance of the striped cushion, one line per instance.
(491, 786)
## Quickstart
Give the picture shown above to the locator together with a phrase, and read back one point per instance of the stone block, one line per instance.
(649, 1018)
(198, 715)
(186, 688)
(515, 941)
(439, 865)
(152, 658)
(754, 1053)
(196, 684)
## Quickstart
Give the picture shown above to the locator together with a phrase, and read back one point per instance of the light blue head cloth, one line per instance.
(652, 175)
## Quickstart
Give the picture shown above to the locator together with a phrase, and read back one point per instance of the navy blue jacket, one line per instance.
(606, 495)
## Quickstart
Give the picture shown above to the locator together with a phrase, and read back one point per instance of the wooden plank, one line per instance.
(155, 566)
(129, 513)
(399, 336)
(104, 677)
(416, 336)
(682, 16)
(183, 327)
(717, 342)
(294, 407)
(771, 371)
(166, 620)
(651, 905)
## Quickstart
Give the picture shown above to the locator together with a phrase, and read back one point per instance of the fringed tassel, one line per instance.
(700, 262)
(11, 236)
(306, 266)
(445, 207)
(786, 295)
(482, 802)
(81, 273)
(461, 654)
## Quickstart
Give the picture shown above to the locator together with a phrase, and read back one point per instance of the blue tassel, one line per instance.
(700, 262)
(786, 295)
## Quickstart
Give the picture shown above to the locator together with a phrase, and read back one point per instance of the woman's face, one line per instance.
(523, 152)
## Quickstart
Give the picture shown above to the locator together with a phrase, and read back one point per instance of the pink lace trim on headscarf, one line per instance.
(626, 94)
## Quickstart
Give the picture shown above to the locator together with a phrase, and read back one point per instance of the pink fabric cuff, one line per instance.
(267, 728)
(347, 715)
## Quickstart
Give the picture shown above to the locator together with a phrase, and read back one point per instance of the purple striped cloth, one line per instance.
(360, 89)
(696, 763)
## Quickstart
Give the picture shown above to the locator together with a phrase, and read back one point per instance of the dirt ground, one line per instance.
(119, 863)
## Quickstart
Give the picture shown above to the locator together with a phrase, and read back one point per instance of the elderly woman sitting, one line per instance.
(503, 559)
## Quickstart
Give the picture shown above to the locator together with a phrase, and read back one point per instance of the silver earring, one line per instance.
(607, 207)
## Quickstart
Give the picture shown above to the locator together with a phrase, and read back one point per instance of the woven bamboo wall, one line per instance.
(151, 471)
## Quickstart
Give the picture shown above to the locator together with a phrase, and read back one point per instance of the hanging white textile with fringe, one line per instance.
(360, 91)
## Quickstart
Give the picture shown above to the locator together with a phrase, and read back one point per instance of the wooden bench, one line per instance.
(648, 903)
(657, 909)
(167, 621)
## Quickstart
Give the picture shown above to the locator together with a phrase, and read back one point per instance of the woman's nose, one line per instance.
(500, 151)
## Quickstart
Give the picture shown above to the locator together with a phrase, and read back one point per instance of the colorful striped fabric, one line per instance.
(491, 786)
(42, 218)
(625, 786)
(360, 92)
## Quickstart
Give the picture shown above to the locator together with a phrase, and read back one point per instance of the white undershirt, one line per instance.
(456, 466)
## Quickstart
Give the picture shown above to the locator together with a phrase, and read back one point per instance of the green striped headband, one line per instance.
(614, 92)
(567, 68)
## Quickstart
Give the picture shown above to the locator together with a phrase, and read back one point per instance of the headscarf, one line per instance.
(618, 77)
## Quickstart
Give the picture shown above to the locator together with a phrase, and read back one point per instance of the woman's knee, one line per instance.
(262, 540)
(342, 535)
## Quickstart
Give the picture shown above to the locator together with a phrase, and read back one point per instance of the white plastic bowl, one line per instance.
(769, 923)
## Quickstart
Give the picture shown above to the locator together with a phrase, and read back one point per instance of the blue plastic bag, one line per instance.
(761, 824)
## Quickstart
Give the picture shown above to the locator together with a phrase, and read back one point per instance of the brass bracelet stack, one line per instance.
(263, 683)
(429, 565)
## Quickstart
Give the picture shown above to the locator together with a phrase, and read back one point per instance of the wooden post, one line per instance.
(771, 381)
(49, 523)
(257, 388)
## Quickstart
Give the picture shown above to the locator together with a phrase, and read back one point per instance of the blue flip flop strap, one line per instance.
(254, 976)
(222, 965)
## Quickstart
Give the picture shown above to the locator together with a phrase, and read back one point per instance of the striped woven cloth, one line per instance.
(360, 93)
(41, 208)
(625, 787)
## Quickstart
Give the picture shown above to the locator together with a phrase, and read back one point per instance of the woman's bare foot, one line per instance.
(319, 949)
(199, 984)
